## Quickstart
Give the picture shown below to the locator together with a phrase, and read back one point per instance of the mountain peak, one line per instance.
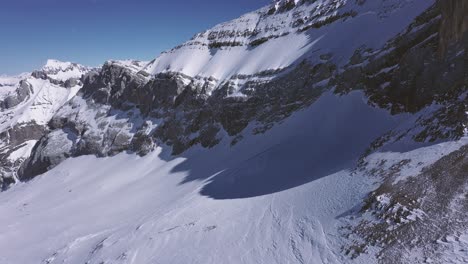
(62, 71)
(53, 65)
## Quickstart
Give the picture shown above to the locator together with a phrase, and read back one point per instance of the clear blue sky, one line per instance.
(92, 31)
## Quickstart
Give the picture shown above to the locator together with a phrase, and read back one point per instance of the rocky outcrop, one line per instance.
(414, 214)
(114, 84)
(17, 138)
(133, 112)
(426, 65)
(454, 23)
(408, 75)
(49, 152)
(21, 94)
(21, 133)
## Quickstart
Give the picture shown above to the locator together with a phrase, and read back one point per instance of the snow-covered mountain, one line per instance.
(28, 103)
(287, 33)
(325, 131)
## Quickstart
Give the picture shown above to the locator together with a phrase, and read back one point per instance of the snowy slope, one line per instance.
(163, 209)
(107, 212)
(288, 38)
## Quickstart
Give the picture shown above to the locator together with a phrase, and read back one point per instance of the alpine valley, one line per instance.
(308, 131)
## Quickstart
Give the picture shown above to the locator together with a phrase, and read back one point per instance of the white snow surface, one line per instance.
(52, 64)
(274, 198)
(418, 158)
(24, 151)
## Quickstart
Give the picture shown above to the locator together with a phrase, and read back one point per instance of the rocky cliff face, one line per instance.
(21, 93)
(423, 212)
(408, 74)
(131, 106)
(454, 23)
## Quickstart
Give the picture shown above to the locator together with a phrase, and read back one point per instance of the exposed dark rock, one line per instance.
(410, 74)
(48, 152)
(142, 144)
(22, 92)
(416, 212)
(192, 114)
(23, 132)
(71, 82)
(114, 84)
(39, 75)
(454, 22)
